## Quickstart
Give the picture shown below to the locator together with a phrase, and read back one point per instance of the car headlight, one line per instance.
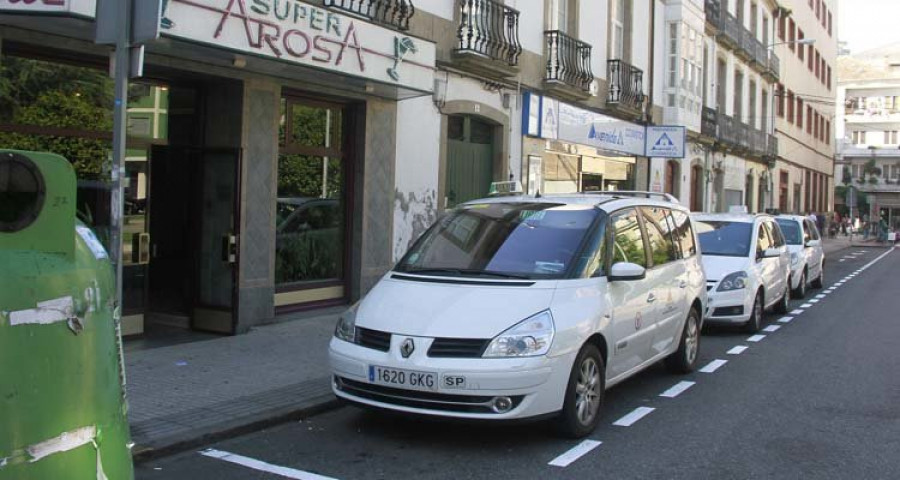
(795, 258)
(529, 338)
(346, 325)
(733, 281)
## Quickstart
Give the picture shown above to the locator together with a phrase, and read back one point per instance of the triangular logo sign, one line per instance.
(664, 141)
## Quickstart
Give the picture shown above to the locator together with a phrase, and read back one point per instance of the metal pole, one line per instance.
(120, 126)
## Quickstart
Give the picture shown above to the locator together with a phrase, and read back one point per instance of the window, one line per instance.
(567, 16)
(775, 234)
(799, 112)
(829, 78)
(781, 27)
(628, 245)
(730, 239)
(827, 132)
(818, 8)
(783, 190)
(829, 24)
(672, 64)
(763, 241)
(858, 137)
(890, 137)
(809, 120)
(800, 48)
(738, 95)
(816, 125)
(818, 65)
(779, 100)
(684, 234)
(791, 35)
(673, 177)
(620, 29)
(790, 106)
(791, 231)
(809, 57)
(659, 235)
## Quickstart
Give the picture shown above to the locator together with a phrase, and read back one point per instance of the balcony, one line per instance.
(394, 13)
(713, 10)
(745, 48)
(729, 31)
(771, 154)
(709, 120)
(757, 141)
(626, 87)
(568, 66)
(743, 134)
(728, 133)
(760, 57)
(773, 70)
(488, 37)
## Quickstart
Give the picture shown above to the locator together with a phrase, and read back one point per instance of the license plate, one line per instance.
(395, 377)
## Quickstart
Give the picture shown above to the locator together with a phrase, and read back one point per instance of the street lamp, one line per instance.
(802, 41)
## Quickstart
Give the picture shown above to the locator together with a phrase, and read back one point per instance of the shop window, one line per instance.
(310, 220)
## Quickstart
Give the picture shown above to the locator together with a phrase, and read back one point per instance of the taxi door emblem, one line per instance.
(407, 347)
(638, 321)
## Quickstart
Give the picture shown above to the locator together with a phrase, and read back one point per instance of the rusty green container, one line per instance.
(62, 404)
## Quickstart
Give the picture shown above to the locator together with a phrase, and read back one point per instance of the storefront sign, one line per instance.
(74, 7)
(568, 123)
(296, 32)
(665, 142)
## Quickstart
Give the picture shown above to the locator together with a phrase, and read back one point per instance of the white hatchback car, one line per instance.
(807, 257)
(521, 307)
(747, 266)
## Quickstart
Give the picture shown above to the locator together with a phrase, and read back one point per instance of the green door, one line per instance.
(470, 155)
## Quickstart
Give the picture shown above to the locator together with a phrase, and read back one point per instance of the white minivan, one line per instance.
(520, 307)
(747, 264)
(807, 256)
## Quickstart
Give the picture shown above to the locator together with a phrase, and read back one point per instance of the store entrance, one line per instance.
(193, 223)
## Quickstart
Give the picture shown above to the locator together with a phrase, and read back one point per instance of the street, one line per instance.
(812, 396)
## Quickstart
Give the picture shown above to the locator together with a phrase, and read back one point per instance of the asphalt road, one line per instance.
(817, 398)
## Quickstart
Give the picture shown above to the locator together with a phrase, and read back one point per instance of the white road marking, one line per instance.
(813, 300)
(574, 453)
(796, 311)
(262, 466)
(806, 305)
(841, 260)
(737, 350)
(713, 366)
(772, 328)
(756, 338)
(677, 389)
(785, 319)
(829, 290)
(821, 296)
(633, 417)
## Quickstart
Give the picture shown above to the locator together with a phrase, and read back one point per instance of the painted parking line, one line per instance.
(677, 389)
(772, 328)
(829, 290)
(806, 305)
(713, 366)
(262, 466)
(813, 300)
(821, 296)
(796, 311)
(756, 338)
(574, 453)
(842, 260)
(737, 349)
(785, 319)
(633, 417)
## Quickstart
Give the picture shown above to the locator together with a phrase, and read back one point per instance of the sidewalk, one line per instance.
(183, 395)
(831, 245)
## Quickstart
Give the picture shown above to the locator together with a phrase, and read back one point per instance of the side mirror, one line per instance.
(771, 253)
(626, 271)
(813, 243)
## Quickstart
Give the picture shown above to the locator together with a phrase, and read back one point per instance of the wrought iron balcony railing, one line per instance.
(395, 13)
(743, 131)
(730, 30)
(727, 130)
(713, 11)
(489, 28)
(757, 141)
(568, 60)
(709, 120)
(626, 84)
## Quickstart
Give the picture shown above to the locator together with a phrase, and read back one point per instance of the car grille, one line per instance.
(458, 347)
(728, 311)
(374, 339)
(416, 399)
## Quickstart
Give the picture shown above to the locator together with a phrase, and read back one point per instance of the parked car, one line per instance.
(520, 307)
(807, 257)
(747, 264)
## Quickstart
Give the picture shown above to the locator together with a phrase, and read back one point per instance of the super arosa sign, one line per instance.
(83, 8)
(293, 31)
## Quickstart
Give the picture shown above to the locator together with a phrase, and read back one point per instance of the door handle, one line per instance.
(683, 284)
(651, 298)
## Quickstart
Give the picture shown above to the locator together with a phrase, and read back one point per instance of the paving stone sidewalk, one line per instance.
(183, 395)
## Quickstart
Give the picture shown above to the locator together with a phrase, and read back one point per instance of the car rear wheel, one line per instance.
(684, 359)
(584, 394)
(755, 322)
(800, 291)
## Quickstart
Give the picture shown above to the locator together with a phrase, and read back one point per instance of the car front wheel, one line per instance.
(800, 291)
(755, 322)
(819, 282)
(784, 304)
(584, 394)
(684, 359)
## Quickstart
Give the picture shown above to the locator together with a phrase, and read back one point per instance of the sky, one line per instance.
(866, 24)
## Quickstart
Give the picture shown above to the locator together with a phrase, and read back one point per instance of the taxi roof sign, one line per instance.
(506, 188)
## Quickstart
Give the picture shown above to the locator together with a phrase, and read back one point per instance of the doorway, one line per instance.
(193, 232)
(470, 155)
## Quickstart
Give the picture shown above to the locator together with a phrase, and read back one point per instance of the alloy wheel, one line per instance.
(691, 340)
(587, 391)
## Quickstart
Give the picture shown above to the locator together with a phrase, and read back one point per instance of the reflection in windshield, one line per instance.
(515, 240)
(791, 231)
(724, 238)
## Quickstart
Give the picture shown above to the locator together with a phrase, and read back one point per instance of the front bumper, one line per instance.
(535, 385)
(723, 307)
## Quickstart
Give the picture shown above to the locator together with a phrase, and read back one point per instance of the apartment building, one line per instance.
(868, 121)
(806, 42)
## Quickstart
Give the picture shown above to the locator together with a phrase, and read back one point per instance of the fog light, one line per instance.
(338, 383)
(501, 404)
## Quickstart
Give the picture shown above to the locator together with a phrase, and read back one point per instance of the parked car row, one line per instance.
(519, 307)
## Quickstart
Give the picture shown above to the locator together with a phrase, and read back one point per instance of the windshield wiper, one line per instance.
(465, 272)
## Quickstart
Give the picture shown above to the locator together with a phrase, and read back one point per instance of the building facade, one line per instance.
(868, 119)
(803, 179)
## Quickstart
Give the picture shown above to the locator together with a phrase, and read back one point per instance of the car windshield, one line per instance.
(731, 239)
(791, 230)
(508, 240)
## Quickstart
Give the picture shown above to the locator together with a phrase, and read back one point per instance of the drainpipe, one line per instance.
(648, 110)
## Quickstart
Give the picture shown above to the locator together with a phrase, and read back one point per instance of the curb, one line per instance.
(229, 429)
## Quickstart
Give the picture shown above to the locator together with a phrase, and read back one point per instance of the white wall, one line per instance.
(531, 23)
(416, 172)
(593, 28)
(441, 8)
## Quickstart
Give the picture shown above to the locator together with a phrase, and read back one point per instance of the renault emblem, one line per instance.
(407, 347)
